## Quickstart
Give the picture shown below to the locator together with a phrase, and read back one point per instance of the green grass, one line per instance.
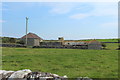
(103, 40)
(107, 40)
(111, 46)
(70, 62)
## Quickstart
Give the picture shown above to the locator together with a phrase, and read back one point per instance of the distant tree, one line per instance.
(118, 40)
(12, 40)
(104, 45)
(5, 40)
(8, 40)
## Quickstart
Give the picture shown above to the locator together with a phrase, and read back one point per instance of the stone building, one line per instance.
(93, 44)
(32, 39)
(74, 44)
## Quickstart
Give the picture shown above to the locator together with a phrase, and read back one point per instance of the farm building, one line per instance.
(83, 44)
(32, 39)
(74, 44)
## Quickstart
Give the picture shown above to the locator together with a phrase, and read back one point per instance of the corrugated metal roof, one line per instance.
(32, 35)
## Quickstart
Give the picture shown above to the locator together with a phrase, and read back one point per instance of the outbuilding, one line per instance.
(93, 44)
(32, 39)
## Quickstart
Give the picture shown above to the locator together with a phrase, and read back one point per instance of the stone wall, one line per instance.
(94, 45)
(32, 42)
(27, 74)
(50, 44)
(11, 45)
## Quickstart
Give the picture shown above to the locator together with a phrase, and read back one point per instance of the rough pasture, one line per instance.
(70, 62)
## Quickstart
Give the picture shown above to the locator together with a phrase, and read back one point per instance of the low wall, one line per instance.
(63, 47)
(11, 45)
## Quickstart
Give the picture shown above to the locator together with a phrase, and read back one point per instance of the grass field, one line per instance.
(101, 40)
(70, 62)
(111, 46)
(104, 40)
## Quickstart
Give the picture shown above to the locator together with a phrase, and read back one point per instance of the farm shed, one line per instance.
(32, 39)
(94, 44)
(83, 44)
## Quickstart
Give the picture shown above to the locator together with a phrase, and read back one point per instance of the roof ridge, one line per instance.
(31, 35)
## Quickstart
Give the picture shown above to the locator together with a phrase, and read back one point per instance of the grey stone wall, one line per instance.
(51, 44)
(36, 42)
(32, 42)
(94, 45)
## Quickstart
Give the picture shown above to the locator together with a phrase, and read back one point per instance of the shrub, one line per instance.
(104, 46)
(21, 42)
(8, 40)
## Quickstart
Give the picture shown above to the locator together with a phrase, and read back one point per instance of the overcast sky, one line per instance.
(50, 20)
